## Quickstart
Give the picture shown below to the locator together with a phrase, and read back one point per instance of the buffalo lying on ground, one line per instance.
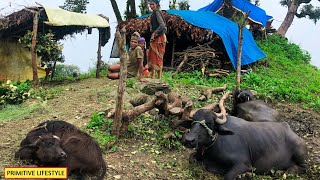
(58, 143)
(239, 146)
(51, 126)
(247, 107)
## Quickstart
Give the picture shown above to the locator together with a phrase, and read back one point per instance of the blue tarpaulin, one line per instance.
(228, 31)
(256, 15)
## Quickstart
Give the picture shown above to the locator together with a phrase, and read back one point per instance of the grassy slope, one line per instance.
(285, 75)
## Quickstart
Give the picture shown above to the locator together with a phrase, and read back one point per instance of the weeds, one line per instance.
(100, 129)
(153, 129)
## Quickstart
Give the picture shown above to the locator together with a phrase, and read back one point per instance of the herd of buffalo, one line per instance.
(255, 137)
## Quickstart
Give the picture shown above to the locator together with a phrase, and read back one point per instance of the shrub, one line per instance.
(63, 70)
(14, 92)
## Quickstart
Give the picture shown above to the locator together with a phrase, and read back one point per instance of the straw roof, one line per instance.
(18, 23)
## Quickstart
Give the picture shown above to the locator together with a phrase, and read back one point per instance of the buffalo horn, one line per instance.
(221, 120)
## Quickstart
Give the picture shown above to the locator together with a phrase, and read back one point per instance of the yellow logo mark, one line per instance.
(35, 172)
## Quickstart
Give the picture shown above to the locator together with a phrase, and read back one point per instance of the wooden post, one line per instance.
(99, 56)
(35, 81)
(173, 49)
(240, 38)
(117, 122)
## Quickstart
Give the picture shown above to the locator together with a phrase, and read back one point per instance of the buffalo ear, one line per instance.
(224, 131)
(72, 140)
(26, 152)
(186, 124)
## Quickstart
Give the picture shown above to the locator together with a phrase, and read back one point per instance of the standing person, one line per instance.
(142, 44)
(158, 39)
(135, 62)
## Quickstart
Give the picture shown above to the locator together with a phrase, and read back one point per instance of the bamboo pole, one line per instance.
(173, 49)
(240, 39)
(117, 122)
(99, 56)
(35, 81)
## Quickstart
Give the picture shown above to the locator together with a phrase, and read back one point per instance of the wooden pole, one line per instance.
(173, 49)
(99, 56)
(35, 81)
(240, 38)
(117, 122)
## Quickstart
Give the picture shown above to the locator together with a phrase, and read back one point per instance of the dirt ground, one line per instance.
(134, 159)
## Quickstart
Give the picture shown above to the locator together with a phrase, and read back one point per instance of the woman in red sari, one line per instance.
(158, 39)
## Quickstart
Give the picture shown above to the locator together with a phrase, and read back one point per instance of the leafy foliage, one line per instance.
(47, 47)
(100, 128)
(131, 82)
(14, 92)
(184, 5)
(144, 9)
(312, 12)
(63, 70)
(307, 10)
(78, 6)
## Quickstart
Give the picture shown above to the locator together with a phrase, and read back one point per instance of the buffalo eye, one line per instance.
(49, 143)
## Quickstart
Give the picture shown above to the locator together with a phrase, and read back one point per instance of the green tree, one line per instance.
(184, 5)
(47, 47)
(144, 7)
(307, 10)
(79, 6)
(63, 70)
(172, 4)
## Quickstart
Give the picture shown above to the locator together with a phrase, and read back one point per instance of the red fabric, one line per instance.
(146, 72)
(156, 52)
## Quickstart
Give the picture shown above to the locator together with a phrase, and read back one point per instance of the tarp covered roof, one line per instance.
(256, 15)
(228, 31)
(60, 17)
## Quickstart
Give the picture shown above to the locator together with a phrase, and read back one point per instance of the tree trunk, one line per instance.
(53, 69)
(117, 123)
(116, 10)
(173, 49)
(99, 55)
(240, 39)
(33, 53)
(292, 10)
(133, 8)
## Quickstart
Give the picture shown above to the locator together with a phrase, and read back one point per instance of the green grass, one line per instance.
(285, 75)
(12, 112)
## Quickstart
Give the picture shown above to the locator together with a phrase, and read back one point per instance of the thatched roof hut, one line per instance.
(181, 36)
(188, 28)
(43, 20)
(18, 23)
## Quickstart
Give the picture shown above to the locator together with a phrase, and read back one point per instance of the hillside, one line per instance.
(285, 80)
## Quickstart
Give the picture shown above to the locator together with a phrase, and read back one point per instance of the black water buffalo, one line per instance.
(247, 107)
(50, 126)
(57, 143)
(239, 146)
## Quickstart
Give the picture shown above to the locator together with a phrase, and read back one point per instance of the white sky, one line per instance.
(82, 49)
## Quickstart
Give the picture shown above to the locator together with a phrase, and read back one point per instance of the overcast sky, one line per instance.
(81, 49)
